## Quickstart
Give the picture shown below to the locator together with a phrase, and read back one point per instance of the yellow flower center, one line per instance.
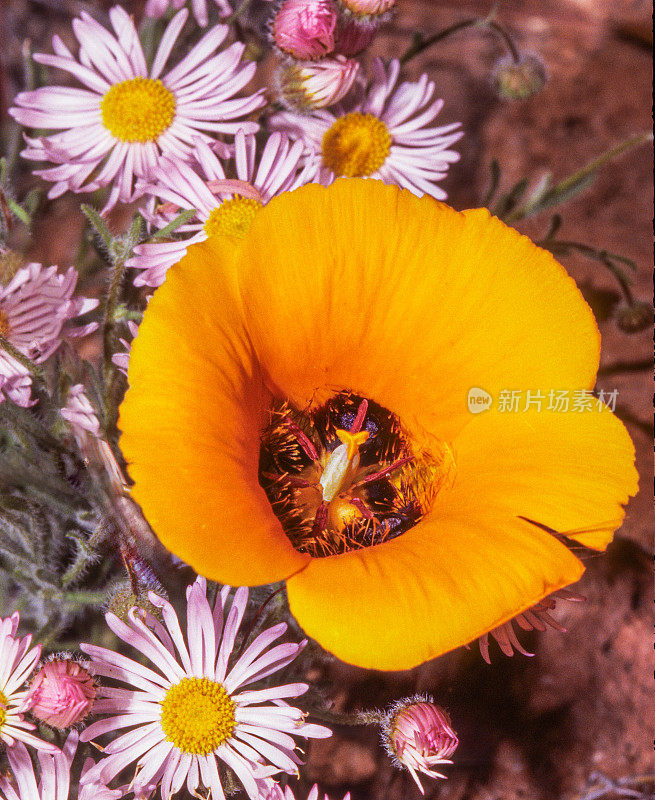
(233, 217)
(197, 715)
(4, 324)
(3, 709)
(356, 145)
(138, 110)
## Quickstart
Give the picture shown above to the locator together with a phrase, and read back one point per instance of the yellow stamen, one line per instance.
(233, 217)
(138, 110)
(3, 709)
(353, 440)
(198, 715)
(356, 145)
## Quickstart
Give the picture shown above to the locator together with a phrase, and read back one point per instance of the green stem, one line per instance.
(419, 44)
(338, 718)
(561, 191)
(599, 255)
(109, 322)
(109, 341)
(84, 598)
(27, 362)
(600, 161)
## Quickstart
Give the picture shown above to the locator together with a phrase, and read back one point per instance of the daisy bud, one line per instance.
(634, 318)
(121, 599)
(518, 80)
(308, 86)
(62, 692)
(353, 35)
(417, 735)
(366, 8)
(304, 29)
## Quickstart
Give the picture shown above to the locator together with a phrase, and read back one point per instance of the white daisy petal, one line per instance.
(135, 115)
(361, 139)
(178, 733)
(197, 185)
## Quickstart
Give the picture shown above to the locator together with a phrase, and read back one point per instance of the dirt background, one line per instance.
(539, 728)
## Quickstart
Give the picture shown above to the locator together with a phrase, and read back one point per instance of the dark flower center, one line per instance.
(344, 475)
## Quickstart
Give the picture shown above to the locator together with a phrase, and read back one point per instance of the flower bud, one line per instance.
(518, 80)
(635, 317)
(365, 8)
(353, 35)
(307, 86)
(304, 29)
(122, 599)
(417, 735)
(62, 692)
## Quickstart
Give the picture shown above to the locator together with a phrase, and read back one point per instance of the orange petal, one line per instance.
(402, 300)
(472, 564)
(571, 471)
(191, 422)
(440, 585)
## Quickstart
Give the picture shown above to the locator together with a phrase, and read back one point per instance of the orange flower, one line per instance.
(360, 308)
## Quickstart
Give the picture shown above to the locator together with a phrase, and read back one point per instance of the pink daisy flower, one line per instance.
(190, 710)
(17, 662)
(34, 307)
(222, 206)
(115, 129)
(55, 780)
(536, 618)
(387, 135)
(157, 8)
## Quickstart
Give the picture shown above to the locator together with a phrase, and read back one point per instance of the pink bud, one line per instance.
(307, 86)
(304, 29)
(353, 35)
(61, 693)
(418, 735)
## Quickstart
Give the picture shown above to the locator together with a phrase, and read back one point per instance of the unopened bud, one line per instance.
(304, 29)
(518, 80)
(122, 599)
(307, 86)
(418, 736)
(635, 318)
(62, 692)
(353, 34)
